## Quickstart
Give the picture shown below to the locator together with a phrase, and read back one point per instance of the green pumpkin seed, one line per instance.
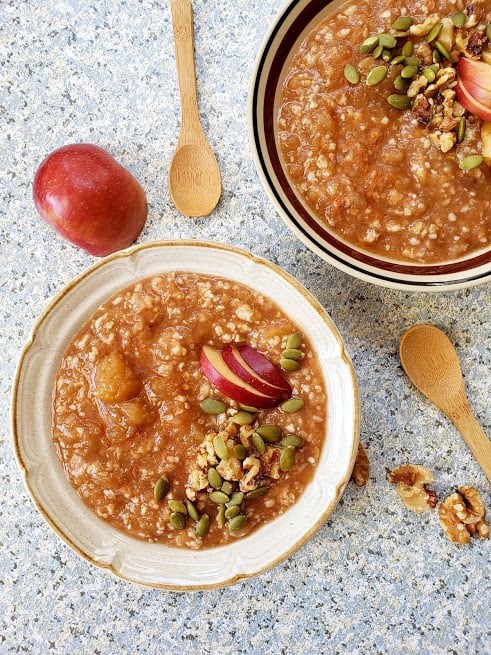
(434, 67)
(221, 515)
(227, 487)
(236, 499)
(290, 364)
(292, 440)
(375, 76)
(294, 340)
(243, 418)
(351, 74)
(249, 408)
(161, 488)
(214, 478)
(409, 72)
(212, 406)
(203, 525)
(401, 84)
(270, 433)
(407, 49)
(434, 32)
(386, 55)
(257, 493)
(287, 458)
(192, 511)
(378, 52)
(177, 520)
(218, 497)
(413, 61)
(230, 512)
(399, 101)
(470, 162)
(178, 506)
(429, 74)
(238, 522)
(387, 41)
(461, 130)
(240, 451)
(221, 447)
(436, 56)
(459, 19)
(292, 353)
(488, 32)
(292, 405)
(442, 50)
(258, 443)
(368, 45)
(399, 59)
(403, 23)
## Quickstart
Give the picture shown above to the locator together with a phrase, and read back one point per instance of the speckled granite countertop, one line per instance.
(375, 578)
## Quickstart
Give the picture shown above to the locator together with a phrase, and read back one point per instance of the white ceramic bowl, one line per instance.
(291, 26)
(159, 565)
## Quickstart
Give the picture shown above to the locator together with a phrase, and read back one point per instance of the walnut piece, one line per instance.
(361, 468)
(462, 515)
(411, 481)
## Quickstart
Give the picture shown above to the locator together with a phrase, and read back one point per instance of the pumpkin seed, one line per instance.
(238, 522)
(249, 408)
(294, 340)
(488, 31)
(236, 498)
(459, 19)
(232, 511)
(203, 525)
(387, 41)
(292, 353)
(258, 443)
(177, 520)
(243, 418)
(227, 487)
(292, 405)
(221, 447)
(257, 493)
(378, 51)
(192, 511)
(434, 32)
(292, 440)
(221, 515)
(403, 23)
(407, 49)
(287, 458)
(442, 50)
(461, 130)
(178, 506)
(401, 84)
(351, 74)
(290, 364)
(409, 72)
(218, 497)
(429, 74)
(434, 67)
(240, 451)
(436, 56)
(413, 61)
(368, 45)
(399, 101)
(375, 76)
(270, 433)
(399, 59)
(214, 478)
(386, 55)
(212, 406)
(161, 488)
(470, 162)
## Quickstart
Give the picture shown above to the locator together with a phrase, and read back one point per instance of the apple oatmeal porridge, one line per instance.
(374, 133)
(150, 442)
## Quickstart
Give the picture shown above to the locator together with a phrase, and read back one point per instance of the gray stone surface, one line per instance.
(375, 578)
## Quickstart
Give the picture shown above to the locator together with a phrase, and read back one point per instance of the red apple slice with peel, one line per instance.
(478, 72)
(240, 367)
(471, 104)
(263, 367)
(229, 383)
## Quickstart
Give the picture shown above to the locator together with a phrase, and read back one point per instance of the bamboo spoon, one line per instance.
(429, 358)
(194, 177)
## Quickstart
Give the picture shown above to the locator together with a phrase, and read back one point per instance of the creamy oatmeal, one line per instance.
(385, 177)
(151, 446)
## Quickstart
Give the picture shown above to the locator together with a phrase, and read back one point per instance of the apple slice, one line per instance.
(240, 367)
(230, 384)
(471, 104)
(478, 72)
(263, 367)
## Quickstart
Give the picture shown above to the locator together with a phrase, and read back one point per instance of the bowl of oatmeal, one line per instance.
(185, 415)
(362, 144)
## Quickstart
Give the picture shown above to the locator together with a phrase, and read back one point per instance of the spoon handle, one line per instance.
(473, 434)
(182, 23)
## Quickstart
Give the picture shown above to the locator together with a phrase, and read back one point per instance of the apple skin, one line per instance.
(90, 199)
(479, 72)
(240, 367)
(225, 380)
(263, 367)
(471, 104)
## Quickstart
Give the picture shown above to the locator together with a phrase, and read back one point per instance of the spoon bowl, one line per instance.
(431, 363)
(195, 182)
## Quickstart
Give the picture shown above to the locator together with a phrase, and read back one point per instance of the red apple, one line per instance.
(263, 367)
(240, 367)
(231, 385)
(90, 199)
(478, 72)
(471, 104)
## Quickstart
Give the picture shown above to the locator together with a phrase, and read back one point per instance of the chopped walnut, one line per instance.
(462, 515)
(230, 469)
(424, 28)
(271, 462)
(361, 468)
(252, 468)
(445, 78)
(443, 140)
(474, 11)
(411, 481)
(448, 124)
(416, 86)
(423, 109)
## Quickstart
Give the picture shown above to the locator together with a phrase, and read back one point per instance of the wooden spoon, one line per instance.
(430, 360)
(194, 177)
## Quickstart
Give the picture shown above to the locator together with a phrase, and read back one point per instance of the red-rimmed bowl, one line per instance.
(291, 26)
